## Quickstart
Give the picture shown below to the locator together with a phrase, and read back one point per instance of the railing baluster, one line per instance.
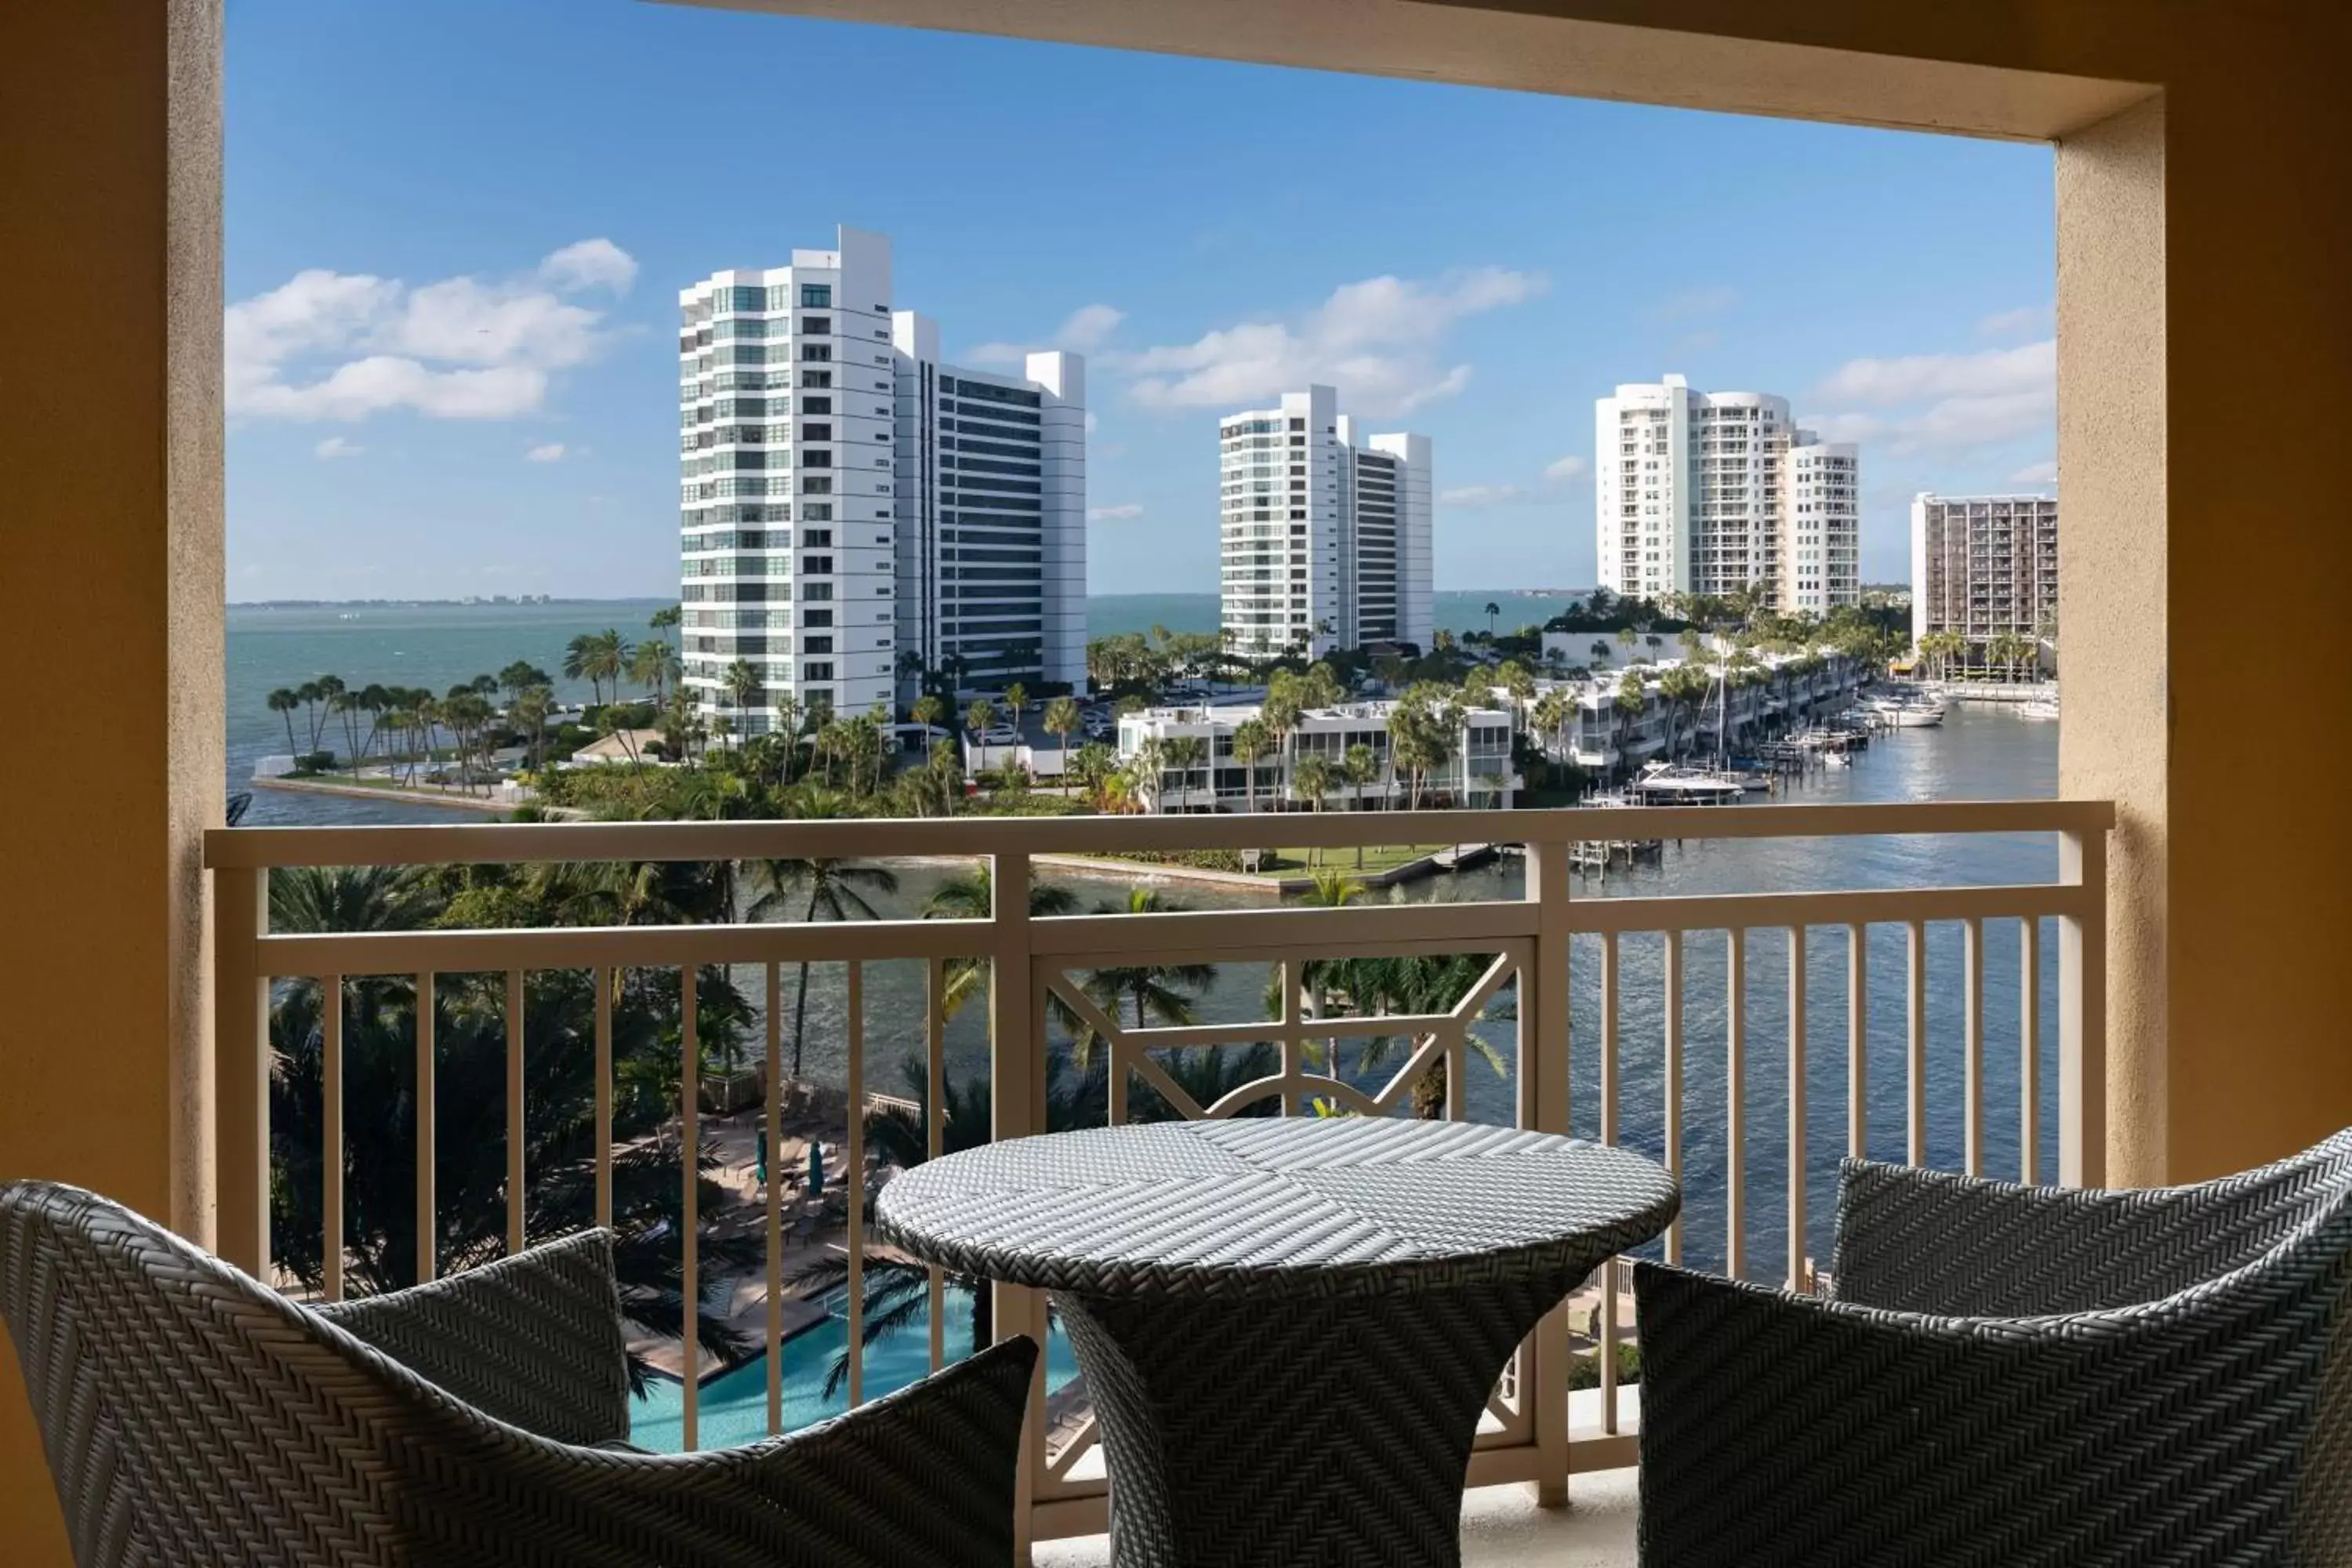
(2083, 1012)
(1674, 1077)
(1799, 1277)
(935, 1130)
(428, 1229)
(690, 1143)
(774, 1112)
(1606, 1348)
(1916, 1058)
(2028, 1065)
(1858, 1041)
(1972, 1046)
(330, 1154)
(517, 1176)
(1735, 1099)
(853, 1046)
(604, 977)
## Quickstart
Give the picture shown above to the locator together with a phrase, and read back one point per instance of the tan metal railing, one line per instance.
(1534, 1432)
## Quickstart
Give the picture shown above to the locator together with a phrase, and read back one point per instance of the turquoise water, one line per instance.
(734, 1405)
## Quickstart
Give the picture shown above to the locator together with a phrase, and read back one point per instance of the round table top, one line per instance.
(1276, 1205)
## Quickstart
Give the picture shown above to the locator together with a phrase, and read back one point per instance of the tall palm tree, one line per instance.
(1186, 755)
(823, 890)
(1016, 699)
(654, 666)
(1252, 739)
(664, 619)
(1493, 612)
(981, 717)
(1311, 781)
(283, 702)
(1359, 769)
(609, 656)
(741, 683)
(577, 654)
(1062, 719)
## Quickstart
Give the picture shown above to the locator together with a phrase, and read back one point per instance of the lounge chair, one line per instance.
(2013, 1377)
(192, 1415)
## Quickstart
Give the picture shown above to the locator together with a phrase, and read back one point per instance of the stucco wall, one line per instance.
(111, 550)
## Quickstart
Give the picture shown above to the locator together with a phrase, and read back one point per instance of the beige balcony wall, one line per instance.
(110, 557)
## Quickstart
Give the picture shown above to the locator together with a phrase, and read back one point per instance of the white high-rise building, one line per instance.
(1983, 566)
(831, 502)
(1703, 492)
(1324, 530)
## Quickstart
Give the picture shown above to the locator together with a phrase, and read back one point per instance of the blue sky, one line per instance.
(455, 231)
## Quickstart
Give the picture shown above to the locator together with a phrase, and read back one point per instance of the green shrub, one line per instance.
(308, 763)
(1584, 1372)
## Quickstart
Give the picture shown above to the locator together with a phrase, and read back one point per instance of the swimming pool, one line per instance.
(734, 1405)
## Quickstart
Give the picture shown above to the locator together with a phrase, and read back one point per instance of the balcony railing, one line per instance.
(1546, 953)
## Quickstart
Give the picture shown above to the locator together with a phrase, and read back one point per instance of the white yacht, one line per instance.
(2044, 708)
(1907, 711)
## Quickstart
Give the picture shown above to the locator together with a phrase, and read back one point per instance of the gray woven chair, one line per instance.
(2015, 1376)
(190, 1415)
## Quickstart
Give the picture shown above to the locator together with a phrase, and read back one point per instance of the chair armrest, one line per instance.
(923, 1477)
(534, 1339)
(1786, 1429)
(1934, 1241)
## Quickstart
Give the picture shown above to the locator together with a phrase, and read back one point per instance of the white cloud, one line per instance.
(335, 447)
(1120, 513)
(553, 452)
(1093, 424)
(339, 346)
(1915, 378)
(590, 264)
(1378, 339)
(1084, 331)
(2023, 321)
(1943, 403)
(1470, 497)
(1087, 328)
(2042, 473)
(1568, 468)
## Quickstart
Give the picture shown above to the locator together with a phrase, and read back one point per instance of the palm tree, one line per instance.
(1163, 993)
(981, 717)
(1494, 611)
(664, 619)
(654, 666)
(1062, 719)
(927, 710)
(1601, 650)
(971, 896)
(283, 702)
(1550, 717)
(1016, 699)
(1185, 754)
(1149, 767)
(576, 656)
(823, 889)
(1311, 781)
(741, 684)
(1359, 770)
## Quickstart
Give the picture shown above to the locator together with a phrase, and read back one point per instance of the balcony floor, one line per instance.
(1501, 1528)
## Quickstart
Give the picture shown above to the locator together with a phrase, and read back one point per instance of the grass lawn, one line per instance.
(1376, 857)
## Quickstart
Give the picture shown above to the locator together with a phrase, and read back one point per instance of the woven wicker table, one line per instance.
(1289, 1326)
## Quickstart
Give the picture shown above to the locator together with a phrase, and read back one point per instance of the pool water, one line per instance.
(733, 1407)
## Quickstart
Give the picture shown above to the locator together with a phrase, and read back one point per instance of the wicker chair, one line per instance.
(191, 1414)
(2015, 1376)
